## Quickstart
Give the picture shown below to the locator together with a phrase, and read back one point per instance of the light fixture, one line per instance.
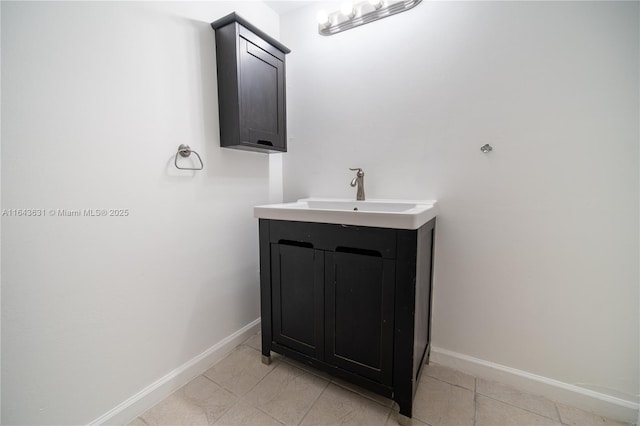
(377, 4)
(323, 19)
(353, 15)
(347, 10)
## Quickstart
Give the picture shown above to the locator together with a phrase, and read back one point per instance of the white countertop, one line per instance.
(382, 213)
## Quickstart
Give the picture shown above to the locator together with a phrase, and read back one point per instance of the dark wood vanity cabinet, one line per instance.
(352, 301)
(251, 86)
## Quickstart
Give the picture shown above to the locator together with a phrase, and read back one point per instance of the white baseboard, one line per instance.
(595, 402)
(165, 386)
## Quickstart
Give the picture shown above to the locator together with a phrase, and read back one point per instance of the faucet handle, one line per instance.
(359, 170)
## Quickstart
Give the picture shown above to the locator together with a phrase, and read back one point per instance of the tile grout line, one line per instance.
(521, 408)
(315, 401)
(238, 398)
(475, 391)
(221, 386)
(475, 400)
(455, 385)
(362, 395)
(555, 404)
(315, 372)
(265, 413)
(284, 359)
(386, 421)
(276, 364)
(242, 398)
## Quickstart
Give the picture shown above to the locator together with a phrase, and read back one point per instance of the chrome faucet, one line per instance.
(358, 180)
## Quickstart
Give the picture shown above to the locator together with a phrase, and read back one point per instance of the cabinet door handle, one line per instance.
(355, 250)
(295, 243)
(263, 142)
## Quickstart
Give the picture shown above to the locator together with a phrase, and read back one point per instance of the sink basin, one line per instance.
(399, 214)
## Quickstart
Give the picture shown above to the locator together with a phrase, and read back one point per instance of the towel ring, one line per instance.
(185, 151)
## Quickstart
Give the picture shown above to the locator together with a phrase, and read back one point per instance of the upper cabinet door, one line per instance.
(251, 87)
(262, 103)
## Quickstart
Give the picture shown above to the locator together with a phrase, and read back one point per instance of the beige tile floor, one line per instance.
(240, 390)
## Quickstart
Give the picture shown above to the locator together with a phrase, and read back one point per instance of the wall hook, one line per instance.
(486, 148)
(185, 151)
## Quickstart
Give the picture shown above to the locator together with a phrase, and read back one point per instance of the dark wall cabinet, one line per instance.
(251, 86)
(352, 301)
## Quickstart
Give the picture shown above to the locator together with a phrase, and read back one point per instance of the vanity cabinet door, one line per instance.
(298, 298)
(359, 313)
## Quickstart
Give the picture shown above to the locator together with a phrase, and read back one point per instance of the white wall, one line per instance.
(96, 98)
(537, 243)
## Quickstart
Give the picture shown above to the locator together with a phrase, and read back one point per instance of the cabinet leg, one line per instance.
(266, 344)
(405, 412)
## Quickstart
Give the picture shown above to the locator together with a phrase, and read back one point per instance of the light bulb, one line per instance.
(377, 4)
(323, 19)
(347, 10)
